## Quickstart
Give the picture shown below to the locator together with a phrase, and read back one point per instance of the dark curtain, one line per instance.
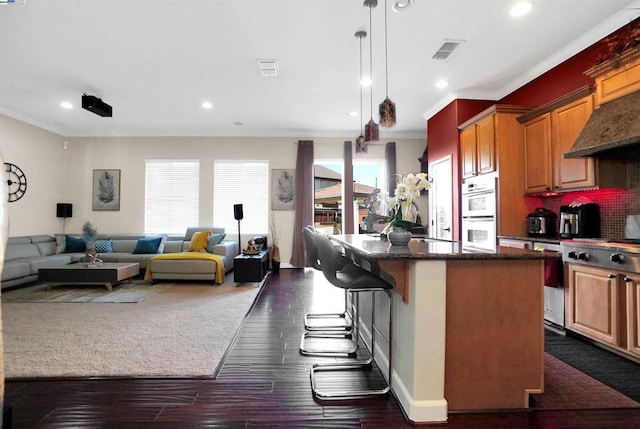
(390, 158)
(304, 200)
(347, 198)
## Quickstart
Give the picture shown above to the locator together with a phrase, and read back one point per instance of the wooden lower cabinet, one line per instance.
(594, 304)
(632, 285)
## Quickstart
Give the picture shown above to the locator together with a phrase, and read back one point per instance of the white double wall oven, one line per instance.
(479, 224)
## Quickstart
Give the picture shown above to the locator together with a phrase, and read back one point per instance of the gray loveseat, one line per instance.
(24, 256)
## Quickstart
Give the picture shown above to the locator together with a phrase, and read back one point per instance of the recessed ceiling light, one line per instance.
(521, 8)
(353, 114)
(402, 5)
(207, 105)
(66, 105)
(366, 81)
(442, 83)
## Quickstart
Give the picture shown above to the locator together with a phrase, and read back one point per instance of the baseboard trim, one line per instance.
(428, 411)
(431, 411)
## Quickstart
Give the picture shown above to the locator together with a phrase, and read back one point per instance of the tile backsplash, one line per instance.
(614, 204)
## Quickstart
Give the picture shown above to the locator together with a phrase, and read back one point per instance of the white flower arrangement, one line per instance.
(408, 188)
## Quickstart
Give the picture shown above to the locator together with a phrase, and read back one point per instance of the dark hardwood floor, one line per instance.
(264, 383)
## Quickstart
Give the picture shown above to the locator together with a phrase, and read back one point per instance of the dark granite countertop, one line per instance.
(550, 240)
(376, 248)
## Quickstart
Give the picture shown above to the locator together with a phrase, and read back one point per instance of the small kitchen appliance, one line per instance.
(580, 221)
(541, 223)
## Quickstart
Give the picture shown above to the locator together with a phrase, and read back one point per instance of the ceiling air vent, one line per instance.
(446, 49)
(267, 68)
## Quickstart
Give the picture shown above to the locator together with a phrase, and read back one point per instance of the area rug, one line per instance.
(615, 371)
(566, 388)
(136, 291)
(184, 330)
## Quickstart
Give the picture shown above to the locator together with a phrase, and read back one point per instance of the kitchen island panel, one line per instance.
(494, 334)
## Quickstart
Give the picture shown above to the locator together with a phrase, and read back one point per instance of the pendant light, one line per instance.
(387, 108)
(361, 143)
(371, 130)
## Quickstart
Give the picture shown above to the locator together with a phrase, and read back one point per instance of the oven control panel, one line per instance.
(607, 255)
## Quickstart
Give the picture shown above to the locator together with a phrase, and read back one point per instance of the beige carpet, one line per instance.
(184, 330)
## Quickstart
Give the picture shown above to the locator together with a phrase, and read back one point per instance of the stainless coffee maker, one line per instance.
(579, 221)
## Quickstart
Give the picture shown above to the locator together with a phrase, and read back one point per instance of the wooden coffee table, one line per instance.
(108, 274)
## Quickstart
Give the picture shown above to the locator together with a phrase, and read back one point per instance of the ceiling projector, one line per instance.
(96, 105)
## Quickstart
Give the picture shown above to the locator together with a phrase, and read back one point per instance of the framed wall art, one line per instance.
(283, 189)
(106, 190)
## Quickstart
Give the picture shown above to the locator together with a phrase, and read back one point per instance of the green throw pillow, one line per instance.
(213, 240)
(147, 245)
(74, 245)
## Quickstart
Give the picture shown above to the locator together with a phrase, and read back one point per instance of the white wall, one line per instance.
(40, 155)
(58, 175)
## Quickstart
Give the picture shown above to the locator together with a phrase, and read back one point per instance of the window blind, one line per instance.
(246, 183)
(172, 195)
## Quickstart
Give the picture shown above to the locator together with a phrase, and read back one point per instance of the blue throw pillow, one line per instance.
(147, 245)
(104, 246)
(74, 245)
(213, 240)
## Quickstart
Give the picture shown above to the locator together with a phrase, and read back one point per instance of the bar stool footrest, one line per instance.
(335, 322)
(347, 381)
(329, 344)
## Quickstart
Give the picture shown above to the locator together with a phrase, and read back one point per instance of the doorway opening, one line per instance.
(369, 178)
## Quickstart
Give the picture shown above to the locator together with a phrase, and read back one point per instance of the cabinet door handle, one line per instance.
(612, 276)
(627, 279)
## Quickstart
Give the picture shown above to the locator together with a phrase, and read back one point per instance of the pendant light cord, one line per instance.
(386, 50)
(371, 57)
(361, 123)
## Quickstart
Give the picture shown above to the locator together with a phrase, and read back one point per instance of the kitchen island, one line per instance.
(467, 326)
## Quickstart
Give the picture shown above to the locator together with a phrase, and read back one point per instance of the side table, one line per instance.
(250, 268)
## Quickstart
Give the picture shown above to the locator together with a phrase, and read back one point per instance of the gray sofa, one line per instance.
(24, 256)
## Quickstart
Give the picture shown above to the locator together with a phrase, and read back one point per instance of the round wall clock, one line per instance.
(16, 181)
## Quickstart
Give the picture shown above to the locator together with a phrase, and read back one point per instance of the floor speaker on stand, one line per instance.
(238, 215)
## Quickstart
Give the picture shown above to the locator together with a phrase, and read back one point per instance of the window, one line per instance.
(172, 191)
(246, 183)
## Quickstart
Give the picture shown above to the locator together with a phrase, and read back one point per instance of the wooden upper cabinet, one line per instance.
(538, 171)
(616, 77)
(566, 123)
(486, 145)
(478, 148)
(547, 137)
(491, 144)
(550, 131)
(468, 152)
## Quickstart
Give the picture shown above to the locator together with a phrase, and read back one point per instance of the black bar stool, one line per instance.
(354, 279)
(339, 326)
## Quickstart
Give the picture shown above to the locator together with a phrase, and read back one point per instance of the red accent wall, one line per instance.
(443, 140)
(569, 75)
(557, 82)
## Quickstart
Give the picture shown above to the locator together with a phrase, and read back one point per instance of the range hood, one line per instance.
(613, 128)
